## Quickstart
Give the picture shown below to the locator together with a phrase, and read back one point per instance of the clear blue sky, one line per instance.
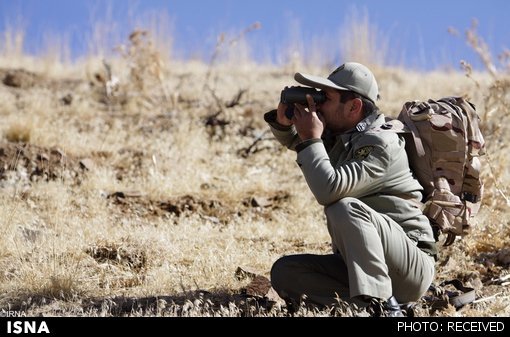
(417, 30)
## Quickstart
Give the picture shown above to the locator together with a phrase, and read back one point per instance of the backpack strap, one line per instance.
(450, 239)
(442, 298)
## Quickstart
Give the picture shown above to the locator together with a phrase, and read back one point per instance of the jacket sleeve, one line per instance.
(285, 135)
(353, 178)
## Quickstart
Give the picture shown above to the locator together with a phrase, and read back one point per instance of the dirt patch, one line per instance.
(24, 79)
(191, 204)
(133, 202)
(20, 78)
(119, 264)
(120, 254)
(22, 163)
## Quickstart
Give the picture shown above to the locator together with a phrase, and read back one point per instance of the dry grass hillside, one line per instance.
(146, 186)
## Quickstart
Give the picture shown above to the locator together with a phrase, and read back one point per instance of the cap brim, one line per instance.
(316, 81)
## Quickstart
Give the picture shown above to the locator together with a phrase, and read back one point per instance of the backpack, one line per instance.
(443, 146)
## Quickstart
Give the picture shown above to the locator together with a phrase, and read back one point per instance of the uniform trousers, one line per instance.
(372, 257)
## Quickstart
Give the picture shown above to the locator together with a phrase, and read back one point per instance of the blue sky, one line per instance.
(417, 31)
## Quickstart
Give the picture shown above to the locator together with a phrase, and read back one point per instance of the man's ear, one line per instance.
(357, 105)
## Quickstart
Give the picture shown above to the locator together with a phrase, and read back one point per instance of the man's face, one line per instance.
(335, 113)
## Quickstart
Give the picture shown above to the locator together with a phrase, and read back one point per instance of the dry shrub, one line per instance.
(362, 41)
(11, 46)
(495, 114)
(43, 276)
(144, 61)
(60, 286)
(19, 132)
(497, 96)
(137, 79)
(226, 44)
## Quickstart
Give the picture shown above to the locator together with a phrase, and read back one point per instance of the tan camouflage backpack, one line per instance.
(443, 147)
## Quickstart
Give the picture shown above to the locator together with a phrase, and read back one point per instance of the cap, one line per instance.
(349, 76)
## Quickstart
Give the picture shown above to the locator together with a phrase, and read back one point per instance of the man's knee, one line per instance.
(342, 209)
(281, 272)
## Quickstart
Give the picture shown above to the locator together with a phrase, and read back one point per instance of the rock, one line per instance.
(20, 78)
(87, 164)
(67, 99)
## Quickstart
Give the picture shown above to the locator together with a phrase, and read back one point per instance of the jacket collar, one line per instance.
(370, 122)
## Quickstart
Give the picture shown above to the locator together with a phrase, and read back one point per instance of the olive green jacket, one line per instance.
(367, 163)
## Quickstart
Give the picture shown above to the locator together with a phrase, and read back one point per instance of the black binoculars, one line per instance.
(291, 95)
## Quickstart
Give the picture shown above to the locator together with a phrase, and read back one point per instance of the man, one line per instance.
(383, 245)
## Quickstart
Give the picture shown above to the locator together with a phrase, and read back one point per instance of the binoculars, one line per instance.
(291, 95)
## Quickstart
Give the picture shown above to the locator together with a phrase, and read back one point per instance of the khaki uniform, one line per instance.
(383, 245)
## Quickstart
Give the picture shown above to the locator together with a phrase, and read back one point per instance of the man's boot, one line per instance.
(388, 308)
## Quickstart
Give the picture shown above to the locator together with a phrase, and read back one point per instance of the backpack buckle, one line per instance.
(470, 197)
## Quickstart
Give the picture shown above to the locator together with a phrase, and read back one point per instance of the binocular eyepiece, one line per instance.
(291, 95)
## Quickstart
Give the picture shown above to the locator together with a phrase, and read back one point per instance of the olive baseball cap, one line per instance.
(349, 76)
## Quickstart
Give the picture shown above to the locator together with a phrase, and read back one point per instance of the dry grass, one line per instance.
(361, 40)
(144, 196)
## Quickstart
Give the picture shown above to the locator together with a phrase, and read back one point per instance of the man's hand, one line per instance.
(281, 118)
(308, 123)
